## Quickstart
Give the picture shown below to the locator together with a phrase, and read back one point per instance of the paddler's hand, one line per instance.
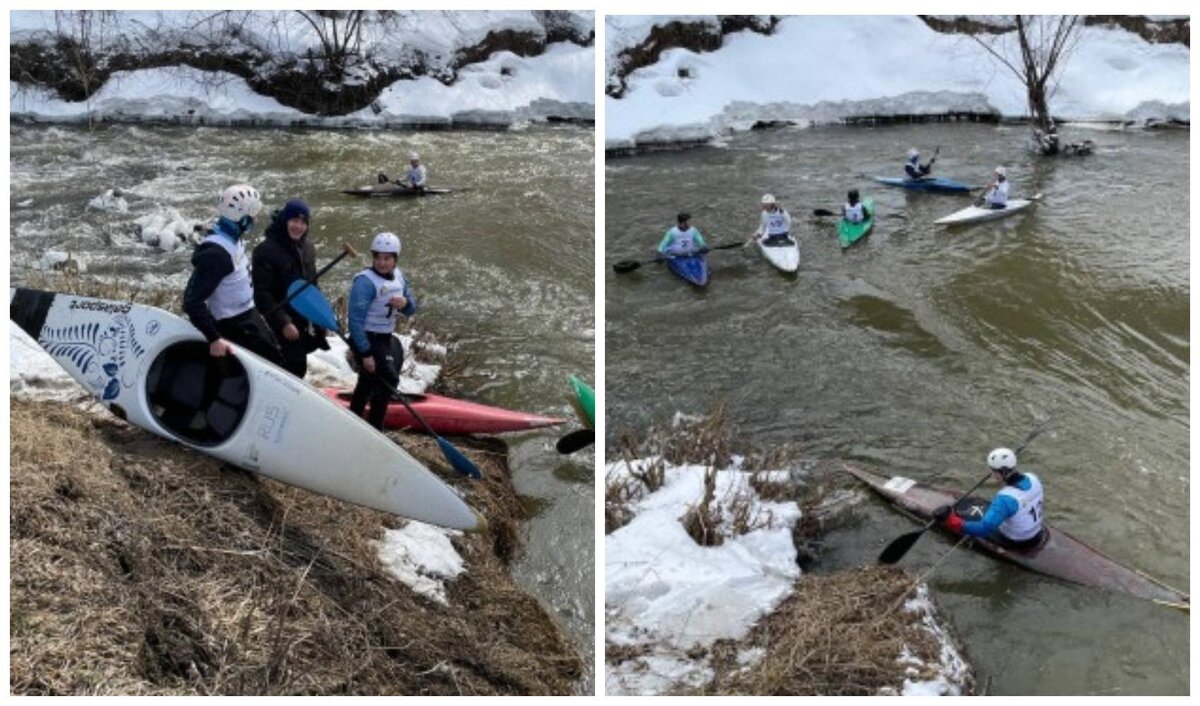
(398, 302)
(368, 364)
(943, 513)
(291, 333)
(220, 348)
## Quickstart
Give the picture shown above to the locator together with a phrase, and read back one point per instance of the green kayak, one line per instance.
(587, 400)
(849, 232)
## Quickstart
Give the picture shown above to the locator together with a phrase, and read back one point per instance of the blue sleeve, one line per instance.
(361, 294)
(1002, 508)
(408, 297)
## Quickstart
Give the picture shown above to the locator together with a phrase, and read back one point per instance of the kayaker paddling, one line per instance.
(1014, 517)
(417, 178)
(378, 295)
(219, 298)
(913, 168)
(854, 210)
(996, 195)
(682, 239)
(775, 223)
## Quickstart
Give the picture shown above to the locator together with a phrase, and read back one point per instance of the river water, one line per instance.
(506, 266)
(921, 347)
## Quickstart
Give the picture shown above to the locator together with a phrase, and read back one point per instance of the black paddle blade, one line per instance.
(822, 212)
(576, 440)
(626, 266)
(895, 551)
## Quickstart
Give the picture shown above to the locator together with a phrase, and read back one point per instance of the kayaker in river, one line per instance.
(775, 222)
(378, 295)
(1014, 517)
(854, 210)
(219, 299)
(913, 168)
(682, 239)
(417, 174)
(996, 195)
(284, 256)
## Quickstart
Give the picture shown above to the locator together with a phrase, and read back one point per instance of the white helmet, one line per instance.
(386, 242)
(239, 200)
(913, 153)
(414, 157)
(1001, 171)
(1002, 460)
(768, 199)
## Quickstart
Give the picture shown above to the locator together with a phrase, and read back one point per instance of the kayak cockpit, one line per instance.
(198, 398)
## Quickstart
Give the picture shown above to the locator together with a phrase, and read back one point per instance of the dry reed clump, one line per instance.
(141, 567)
(837, 635)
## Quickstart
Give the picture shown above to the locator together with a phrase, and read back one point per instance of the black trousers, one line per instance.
(377, 389)
(250, 331)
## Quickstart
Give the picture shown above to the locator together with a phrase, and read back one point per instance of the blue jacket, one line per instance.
(1001, 508)
(361, 296)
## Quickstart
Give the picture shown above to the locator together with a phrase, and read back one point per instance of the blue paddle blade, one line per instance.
(458, 461)
(313, 305)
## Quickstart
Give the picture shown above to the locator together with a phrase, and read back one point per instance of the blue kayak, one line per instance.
(939, 184)
(693, 269)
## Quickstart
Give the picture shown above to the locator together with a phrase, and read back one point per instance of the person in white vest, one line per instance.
(775, 222)
(417, 174)
(996, 195)
(1014, 517)
(913, 169)
(854, 210)
(378, 295)
(682, 240)
(219, 298)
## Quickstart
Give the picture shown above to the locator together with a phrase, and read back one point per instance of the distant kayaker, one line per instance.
(996, 195)
(284, 256)
(1014, 517)
(378, 295)
(775, 222)
(854, 210)
(219, 299)
(913, 168)
(417, 174)
(682, 239)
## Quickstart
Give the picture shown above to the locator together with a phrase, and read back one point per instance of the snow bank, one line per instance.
(664, 594)
(947, 677)
(816, 68)
(501, 90)
(422, 557)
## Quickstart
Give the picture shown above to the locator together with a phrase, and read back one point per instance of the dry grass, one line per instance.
(835, 636)
(140, 567)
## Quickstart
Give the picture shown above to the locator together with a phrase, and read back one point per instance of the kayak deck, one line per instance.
(977, 214)
(447, 415)
(850, 233)
(586, 397)
(1060, 555)
(782, 253)
(692, 269)
(933, 184)
(391, 190)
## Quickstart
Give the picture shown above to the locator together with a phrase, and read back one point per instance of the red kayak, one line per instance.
(450, 416)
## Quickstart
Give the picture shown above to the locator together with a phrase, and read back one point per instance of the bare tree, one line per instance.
(1045, 43)
(340, 33)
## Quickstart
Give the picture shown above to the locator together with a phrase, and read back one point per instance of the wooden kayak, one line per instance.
(1060, 555)
(394, 190)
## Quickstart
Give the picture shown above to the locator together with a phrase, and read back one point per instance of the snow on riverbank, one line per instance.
(504, 89)
(665, 594)
(421, 556)
(817, 69)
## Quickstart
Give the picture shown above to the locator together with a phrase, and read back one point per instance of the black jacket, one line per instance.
(277, 262)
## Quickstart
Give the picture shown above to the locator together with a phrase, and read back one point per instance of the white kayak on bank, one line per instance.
(783, 254)
(977, 214)
(152, 369)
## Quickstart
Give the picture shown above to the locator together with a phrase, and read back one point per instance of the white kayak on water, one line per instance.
(783, 254)
(152, 369)
(978, 214)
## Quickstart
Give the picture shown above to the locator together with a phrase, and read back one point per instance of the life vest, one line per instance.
(381, 315)
(682, 241)
(999, 195)
(234, 295)
(416, 175)
(1027, 522)
(776, 222)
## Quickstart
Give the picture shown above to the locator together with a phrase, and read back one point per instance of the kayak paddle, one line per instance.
(316, 308)
(895, 551)
(576, 440)
(302, 285)
(630, 265)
